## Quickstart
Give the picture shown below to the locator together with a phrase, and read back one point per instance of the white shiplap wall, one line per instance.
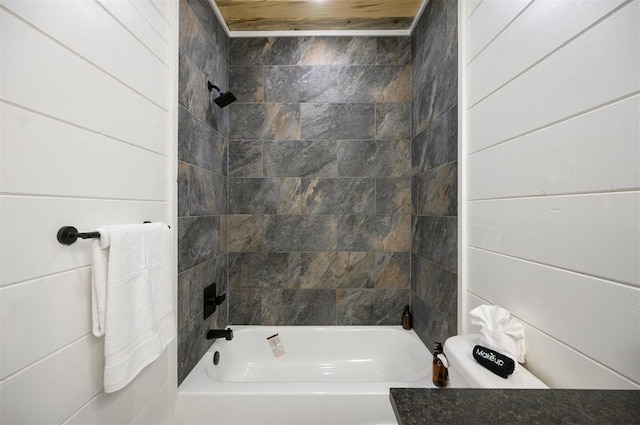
(552, 181)
(88, 137)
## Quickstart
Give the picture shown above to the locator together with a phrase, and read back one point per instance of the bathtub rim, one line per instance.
(198, 381)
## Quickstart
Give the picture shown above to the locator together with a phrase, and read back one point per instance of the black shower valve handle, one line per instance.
(211, 300)
(216, 299)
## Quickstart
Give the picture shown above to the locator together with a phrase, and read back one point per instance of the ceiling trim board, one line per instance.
(214, 6)
(418, 15)
(321, 33)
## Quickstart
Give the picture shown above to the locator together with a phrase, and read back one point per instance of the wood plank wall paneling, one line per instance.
(472, 6)
(28, 154)
(86, 140)
(153, 17)
(514, 51)
(74, 90)
(50, 17)
(33, 239)
(43, 298)
(119, 407)
(607, 136)
(553, 184)
(488, 20)
(39, 384)
(600, 66)
(594, 234)
(125, 13)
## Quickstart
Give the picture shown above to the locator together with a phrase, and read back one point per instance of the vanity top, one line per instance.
(422, 406)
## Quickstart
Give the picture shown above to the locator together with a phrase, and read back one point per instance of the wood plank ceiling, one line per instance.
(320, 15)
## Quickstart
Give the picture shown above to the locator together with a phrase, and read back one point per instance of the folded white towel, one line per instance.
(499, 331)
(99, 283)
(132, 302)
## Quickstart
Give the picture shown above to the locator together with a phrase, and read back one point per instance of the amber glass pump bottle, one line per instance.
(439, 373)
(407, 319)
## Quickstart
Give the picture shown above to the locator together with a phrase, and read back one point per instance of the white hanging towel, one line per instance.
(499, 331)
(132, 302)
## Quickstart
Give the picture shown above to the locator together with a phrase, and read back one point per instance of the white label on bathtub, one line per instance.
(276, 345)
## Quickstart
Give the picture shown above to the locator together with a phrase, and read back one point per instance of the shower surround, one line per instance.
(308, 198)
(319, 189)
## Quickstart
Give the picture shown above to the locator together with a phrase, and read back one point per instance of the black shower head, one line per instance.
(224, 99)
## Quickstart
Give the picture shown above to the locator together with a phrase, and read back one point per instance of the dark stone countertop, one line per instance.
(421, 406)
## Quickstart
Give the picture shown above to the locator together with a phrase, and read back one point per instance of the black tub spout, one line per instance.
(220, 333)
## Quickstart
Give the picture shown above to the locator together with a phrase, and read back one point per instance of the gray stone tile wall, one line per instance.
(202, 178)
(327, 195)
(434, 172)
(319, 199)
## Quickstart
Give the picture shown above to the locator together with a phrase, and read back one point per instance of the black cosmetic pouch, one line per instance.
(497, 363)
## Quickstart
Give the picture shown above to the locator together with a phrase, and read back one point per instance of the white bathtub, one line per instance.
(328, 375)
